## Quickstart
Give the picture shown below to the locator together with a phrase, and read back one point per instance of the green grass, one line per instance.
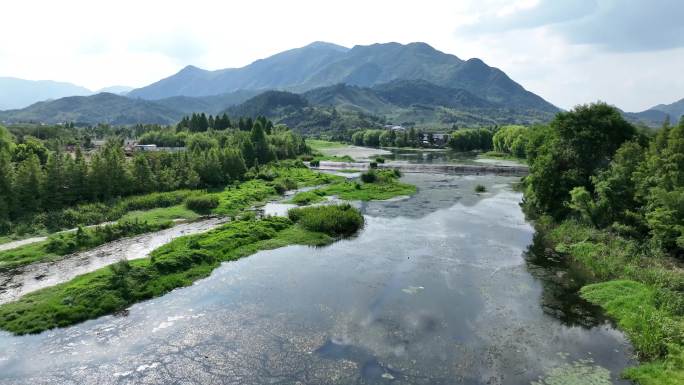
(162, 214)
(334, 220)
(176, 264)
(69, 242)
(316, 144)
(501, 156)
(384, 185)
(640, 288)
(308, 197)
(231, 201)
(24, 255)
(334, 158)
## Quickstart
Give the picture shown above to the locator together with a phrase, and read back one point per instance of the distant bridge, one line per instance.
(457, 169)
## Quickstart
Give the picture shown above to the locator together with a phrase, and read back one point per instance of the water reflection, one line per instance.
(435, 290)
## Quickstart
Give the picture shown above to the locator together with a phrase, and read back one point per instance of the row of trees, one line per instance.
(201, 123)
(472, 139)
(591, 163)
(34, 179)
(391, 138)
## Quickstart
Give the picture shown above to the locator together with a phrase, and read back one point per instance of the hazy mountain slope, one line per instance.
(119, 90)
(19, 93)
(100, 108)
(675, 110)
(282, 70)
(207, 104)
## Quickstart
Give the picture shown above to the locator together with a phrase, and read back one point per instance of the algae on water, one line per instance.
(581, 372)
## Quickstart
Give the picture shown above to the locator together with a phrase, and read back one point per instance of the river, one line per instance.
(445, 287)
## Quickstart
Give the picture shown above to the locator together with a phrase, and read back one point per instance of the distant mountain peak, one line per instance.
(325, 44)
(190, 68)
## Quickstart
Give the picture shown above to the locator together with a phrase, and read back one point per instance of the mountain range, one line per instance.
(324, 64)
(19, 93)
(321, 84)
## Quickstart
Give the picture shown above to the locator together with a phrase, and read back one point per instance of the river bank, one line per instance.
(435, 289)
(639, 290)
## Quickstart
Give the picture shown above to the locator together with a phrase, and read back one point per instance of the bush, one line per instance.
(373, 165)
(369, 177)
(315, 163)
(480, 188)
(334, 220)
(380, 160)
(202, 204)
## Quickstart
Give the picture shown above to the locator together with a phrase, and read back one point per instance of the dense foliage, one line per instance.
(334, 220)
(612, 199)
(473, 139)
(35, 179)
(511, 140)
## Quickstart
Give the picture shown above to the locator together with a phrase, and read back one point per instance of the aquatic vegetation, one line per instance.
(581, 372)
(307, 197)
(176, 264)
(480, 188)
(334, 220)
(640, 288)
(375, 185)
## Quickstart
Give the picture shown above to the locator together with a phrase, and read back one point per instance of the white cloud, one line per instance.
(98, 44)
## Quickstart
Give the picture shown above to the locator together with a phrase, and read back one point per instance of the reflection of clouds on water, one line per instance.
(434, 290)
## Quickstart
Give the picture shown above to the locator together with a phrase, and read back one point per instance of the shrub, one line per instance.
(369, 177)
(202, 204)
(480, 188)
(315, 163)
(380, 160)
(334, 220)
(373, 165)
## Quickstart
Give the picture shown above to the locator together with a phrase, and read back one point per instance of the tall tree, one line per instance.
(28, 186)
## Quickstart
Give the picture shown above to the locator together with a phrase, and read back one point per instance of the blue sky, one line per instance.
(625, 52)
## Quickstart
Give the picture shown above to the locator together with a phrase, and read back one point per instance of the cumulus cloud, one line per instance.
(614, 25)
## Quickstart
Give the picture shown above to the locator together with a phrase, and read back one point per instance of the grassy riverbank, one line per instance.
(641, 289)
(230, 201)
(176, 264)
(71, 242)
(501, 156)
(374, 185)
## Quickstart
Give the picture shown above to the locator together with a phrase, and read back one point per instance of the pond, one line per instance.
(445, 287)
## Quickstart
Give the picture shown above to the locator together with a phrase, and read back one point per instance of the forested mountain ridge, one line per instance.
(324, 64)
(340, 106)
(100, 108)
(409, 102)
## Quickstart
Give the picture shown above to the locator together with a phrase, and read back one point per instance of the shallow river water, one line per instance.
(440, 288)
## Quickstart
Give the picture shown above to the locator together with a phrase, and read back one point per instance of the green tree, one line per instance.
(143, 179)
(581, 142)
(55, 194)
(28, 186)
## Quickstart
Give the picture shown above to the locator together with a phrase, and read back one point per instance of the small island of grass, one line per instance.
(374, 185)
